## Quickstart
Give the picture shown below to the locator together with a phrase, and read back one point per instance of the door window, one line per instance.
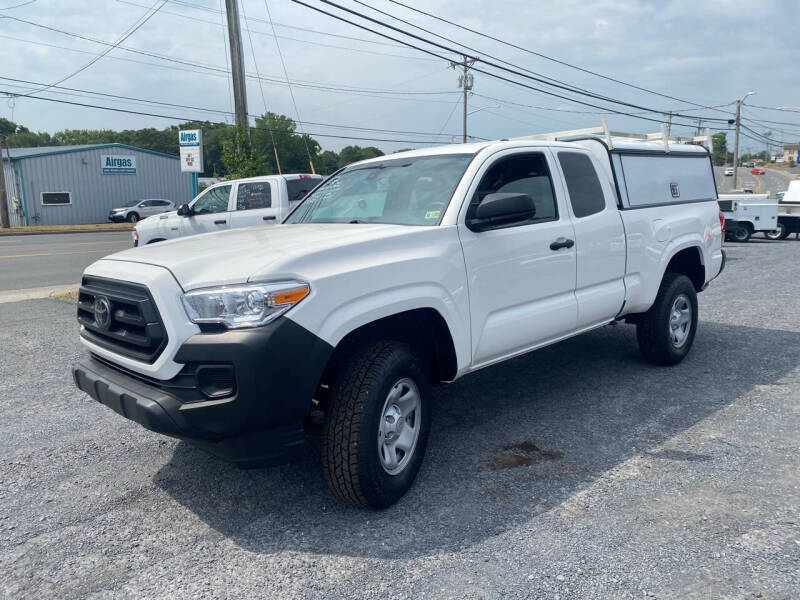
(255, 194)
(585, 191)
(521, 174)
(213, 201)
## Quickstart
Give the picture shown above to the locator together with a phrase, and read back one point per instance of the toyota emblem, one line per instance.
(102, 312)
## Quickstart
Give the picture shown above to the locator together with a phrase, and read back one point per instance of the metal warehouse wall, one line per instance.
(94, 193)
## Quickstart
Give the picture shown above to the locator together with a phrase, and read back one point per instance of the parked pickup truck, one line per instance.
(746, 214)
(396, 274)
(228, 205)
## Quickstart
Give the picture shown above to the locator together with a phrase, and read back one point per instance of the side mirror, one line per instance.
(500, 210)
(185, 210)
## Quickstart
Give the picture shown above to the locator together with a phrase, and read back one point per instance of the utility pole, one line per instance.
(237, 66)
(669, 125)
(736, 138)
(5, 220)
(465, 83)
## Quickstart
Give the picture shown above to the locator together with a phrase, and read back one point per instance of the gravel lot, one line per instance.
(575, 472)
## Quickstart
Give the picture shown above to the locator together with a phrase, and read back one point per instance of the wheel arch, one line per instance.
(424, 329)
(688, 261)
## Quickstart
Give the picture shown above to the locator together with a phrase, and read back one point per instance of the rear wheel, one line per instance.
(741, 233)
(377, 424)
(666, 332)
(779, 233)
(133, 217)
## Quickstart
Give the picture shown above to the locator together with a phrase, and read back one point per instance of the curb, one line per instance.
(104, 230)
(36, 293)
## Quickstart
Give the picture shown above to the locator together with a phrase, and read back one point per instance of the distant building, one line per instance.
(791, 152)
(65, 185)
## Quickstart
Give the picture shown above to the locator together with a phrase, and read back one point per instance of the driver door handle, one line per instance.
(562, 242)
(269, 218)
(223, 221)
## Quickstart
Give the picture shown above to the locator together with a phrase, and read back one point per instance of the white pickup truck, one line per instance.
(231, 204)
(396, 274)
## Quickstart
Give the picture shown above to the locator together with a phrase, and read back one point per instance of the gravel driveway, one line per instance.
(578, 471)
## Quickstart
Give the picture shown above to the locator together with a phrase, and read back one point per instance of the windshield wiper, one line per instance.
(356, 221)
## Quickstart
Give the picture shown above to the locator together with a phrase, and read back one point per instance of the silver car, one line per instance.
(140, 209)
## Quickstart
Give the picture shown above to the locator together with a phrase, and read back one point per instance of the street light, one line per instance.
(736, 139)
(789, 108)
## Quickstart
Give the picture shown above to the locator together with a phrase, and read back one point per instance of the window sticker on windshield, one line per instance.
(432, 214)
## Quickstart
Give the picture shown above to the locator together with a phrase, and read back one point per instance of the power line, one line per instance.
(550, 58)
(490, 74)
(128, 33)
(294, 39)
(195, 119)
(291, 91)
(215, 70)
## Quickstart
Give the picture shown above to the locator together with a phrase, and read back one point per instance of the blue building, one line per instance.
(65, 185)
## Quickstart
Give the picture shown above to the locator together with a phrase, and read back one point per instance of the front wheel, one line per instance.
(741, 233)
(377, 424)
(666, 332)
(133, 217)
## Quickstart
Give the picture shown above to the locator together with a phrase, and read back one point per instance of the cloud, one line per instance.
(710, 53)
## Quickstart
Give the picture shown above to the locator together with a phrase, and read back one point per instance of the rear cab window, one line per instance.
(583, 185)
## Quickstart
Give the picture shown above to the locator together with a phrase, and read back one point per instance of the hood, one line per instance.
(253, 253)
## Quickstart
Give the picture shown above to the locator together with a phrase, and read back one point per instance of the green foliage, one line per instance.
(351, 154)
(227, 152)
(720, 155)
(237, 156)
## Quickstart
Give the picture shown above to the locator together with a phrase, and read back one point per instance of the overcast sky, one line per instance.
(707, 52)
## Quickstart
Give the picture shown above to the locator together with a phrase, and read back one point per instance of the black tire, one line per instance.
(779, 233)
(741, 233)
(350, 449)
(133, 217)
(653, 330)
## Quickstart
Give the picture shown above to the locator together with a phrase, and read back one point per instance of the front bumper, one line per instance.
(276, 370)
(116, 217)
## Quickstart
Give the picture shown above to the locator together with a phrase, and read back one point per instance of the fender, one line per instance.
(348, 316)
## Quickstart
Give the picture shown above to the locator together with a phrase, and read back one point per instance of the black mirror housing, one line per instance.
(501, 210)
(185, 210)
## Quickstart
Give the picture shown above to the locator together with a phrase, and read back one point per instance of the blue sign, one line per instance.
(189, 138)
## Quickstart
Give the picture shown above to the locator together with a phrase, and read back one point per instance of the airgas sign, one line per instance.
(191, 147)
(116, 164)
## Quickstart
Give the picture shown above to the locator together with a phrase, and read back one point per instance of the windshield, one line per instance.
(404, 191)
(131, 203)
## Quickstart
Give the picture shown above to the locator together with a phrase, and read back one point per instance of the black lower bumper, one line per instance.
(276, 370)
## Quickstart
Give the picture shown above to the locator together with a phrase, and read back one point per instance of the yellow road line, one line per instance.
(49, 254)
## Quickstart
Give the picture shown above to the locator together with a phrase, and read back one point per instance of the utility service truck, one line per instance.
(788, 212)
(396, 274)
(746, 214)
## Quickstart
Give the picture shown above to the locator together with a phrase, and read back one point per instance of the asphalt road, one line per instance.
(28, 261)
(773, 181)
(679, 482)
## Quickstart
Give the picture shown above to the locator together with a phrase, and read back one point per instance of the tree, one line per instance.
(295, 151)
(351, 154)
(720, 143)
(7, 127)
(237, 155)
(328, 162)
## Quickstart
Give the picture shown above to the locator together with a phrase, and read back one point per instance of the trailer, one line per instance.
(746, 214)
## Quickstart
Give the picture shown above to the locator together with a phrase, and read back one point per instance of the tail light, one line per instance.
(722, 223)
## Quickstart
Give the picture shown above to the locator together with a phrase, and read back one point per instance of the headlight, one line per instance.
(244, 305)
